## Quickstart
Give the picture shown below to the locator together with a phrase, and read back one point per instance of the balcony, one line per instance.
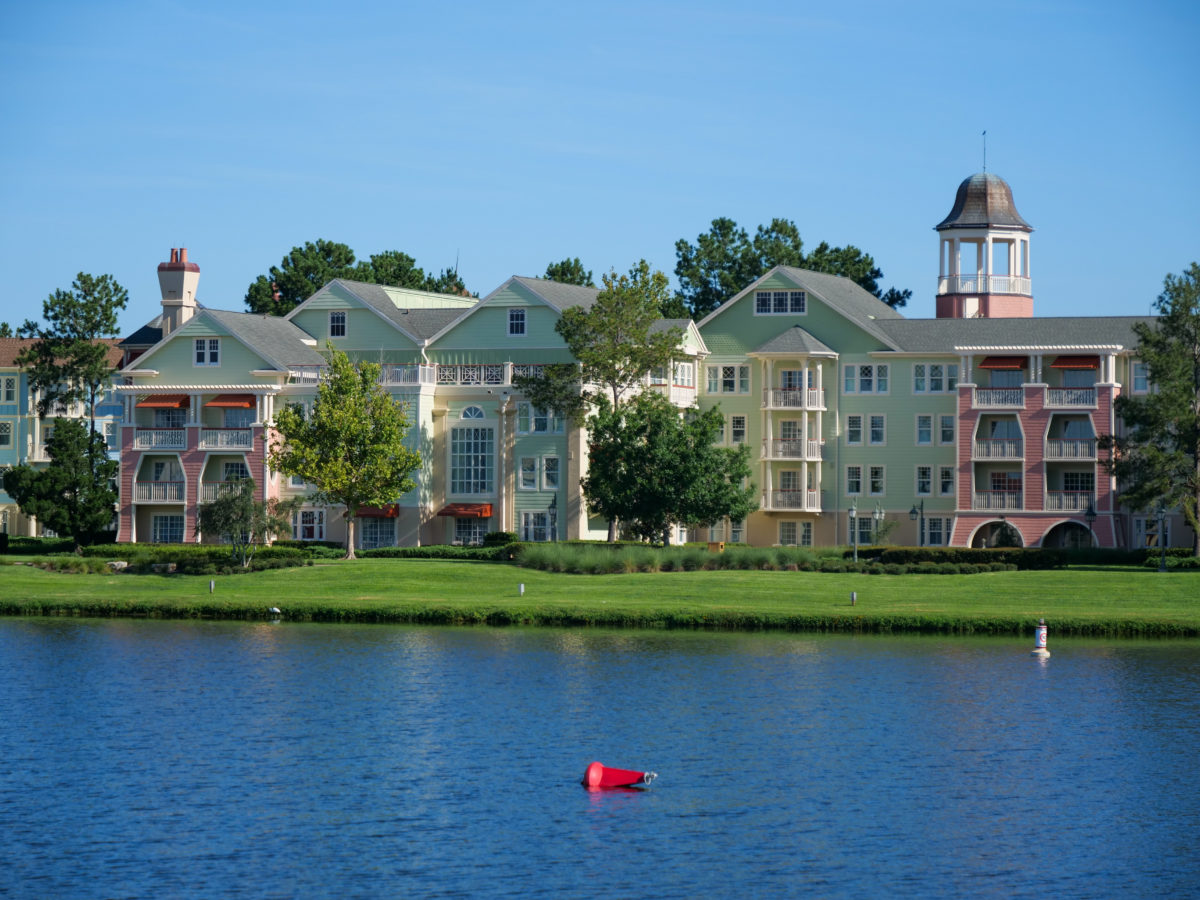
(998, 398)
(1007, 448)
(211, 490)
(984, 284)
(158, 491)
(798, 500)
(678, 394)
(998, 500)
(1071, 397)
(1070, 501)
(389, 375)
(792, 449)
(793, 398)
(226, 439)
(160, 439)
(1061, 448)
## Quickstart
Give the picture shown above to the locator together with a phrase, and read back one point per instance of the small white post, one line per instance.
(1039, 640)
(521, 589)
(211, 585)
(853, 597)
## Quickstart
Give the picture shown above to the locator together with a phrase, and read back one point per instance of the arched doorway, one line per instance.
(997, 534)
(1069, 535)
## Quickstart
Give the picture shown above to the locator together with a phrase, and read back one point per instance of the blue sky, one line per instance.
(506, 136)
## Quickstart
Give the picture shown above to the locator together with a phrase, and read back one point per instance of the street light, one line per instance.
(1090, 515)
(919, 513)
(878, 517)
(1161, 516)
(854, 527)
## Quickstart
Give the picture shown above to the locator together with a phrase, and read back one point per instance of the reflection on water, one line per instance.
(150, 759)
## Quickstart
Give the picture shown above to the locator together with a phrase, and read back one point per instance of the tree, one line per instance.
(247, 523)
(397, 269)
(449, 282)
(570, 271)
(352, 446)
(651, 464)
(1157, 459)
(74, 494)
(5, 330)
(726, 259)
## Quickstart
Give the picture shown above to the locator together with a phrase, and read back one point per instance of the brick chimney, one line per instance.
(177, 280)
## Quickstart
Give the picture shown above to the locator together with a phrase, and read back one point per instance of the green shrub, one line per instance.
(492, 538)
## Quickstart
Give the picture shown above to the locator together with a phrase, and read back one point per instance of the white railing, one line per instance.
(807, 500)
(158, 491)
(998, 397)
(792, 449)
(997, 500)
(1071, 396)
(211, 490)
(389, 375)
(984, 284)
(1005, 448)
(226, 438)
(793, 398)
(160, 439)
(678, 394)
(471, 374)
(1082, 448)
(1074, 501)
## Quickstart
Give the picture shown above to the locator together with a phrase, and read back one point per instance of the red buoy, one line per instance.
(598, 776)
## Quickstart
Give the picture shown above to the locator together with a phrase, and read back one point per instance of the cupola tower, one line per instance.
(984, 248)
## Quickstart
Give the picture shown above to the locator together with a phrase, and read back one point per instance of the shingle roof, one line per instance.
(558, 294)
(276, 340)
(11, 347)
(984, 201)
(943, 335)
(146, 336)
(419, 322)
(794, 341)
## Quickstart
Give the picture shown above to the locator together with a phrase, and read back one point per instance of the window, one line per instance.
(208, 351)
(876, 483)
(658, 375)
(937, 531)
(10, 390)
(516, 323)
(865, 379)
(878, 429)
(946, 481)
(728, 379)
(806, 534)
(935, 378)
(1006, 481)
(112, 432)
(6, 434)
(854, 429)
(946, 429)
(528, 477)
(1079, 378)
(924, 480)
(737, 531)
(1079, 481)
(472, 454)
(472, 412)
(549, 473)
(685, 375)
(166, 470)
(1007, 378)
(865, 525)
(789, 480)
(779, 303)
(297, 481)
(3, 521)
(535, 526)
(166, 529)
(239, 418)
(231, 471)
(1141, 378)
(308, 525)
(924, 429)
(337, 324)
(170, 418)
(1146, 534)
(469, 532)
(787, 534)
(737, 429)
(375, 532)
(853, 480)
(531, 420)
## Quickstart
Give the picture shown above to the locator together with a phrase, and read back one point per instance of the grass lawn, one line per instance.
(1081, 600)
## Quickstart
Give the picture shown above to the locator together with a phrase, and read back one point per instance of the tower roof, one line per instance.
(984, 201)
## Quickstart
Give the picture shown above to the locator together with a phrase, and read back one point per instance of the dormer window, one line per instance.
(208, 351)
(337, 323)
(780, 303)
(516, 323)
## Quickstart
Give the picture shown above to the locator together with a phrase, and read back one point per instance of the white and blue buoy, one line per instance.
(1039, 640)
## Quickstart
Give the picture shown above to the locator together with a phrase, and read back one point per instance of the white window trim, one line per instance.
(882, 492)
(521, 471)
(917, 433)
(345, 322)
(954, 424)
(745, 429)
(953, 481)
(1133, 388)
(917, 479)
(523, 319)
(875, 367)
(208, 350)
(871, 443)
(862, 431)
(792, 296)
(795, 529)
(861, 479)
(546, 486)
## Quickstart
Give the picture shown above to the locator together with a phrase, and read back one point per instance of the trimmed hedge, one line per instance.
(1024, 558)
(497, 553)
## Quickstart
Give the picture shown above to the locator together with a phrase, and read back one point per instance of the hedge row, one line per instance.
(1021, 557)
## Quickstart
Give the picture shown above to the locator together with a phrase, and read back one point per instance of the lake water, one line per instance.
(167, 759)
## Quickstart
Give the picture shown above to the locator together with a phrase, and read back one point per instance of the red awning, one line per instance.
(467, 510)
(1004, 362)
(1076, 362)
(165, 401)
(391, 511)
(232, 401)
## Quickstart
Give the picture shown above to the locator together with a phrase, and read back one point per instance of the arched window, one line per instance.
(472, 412)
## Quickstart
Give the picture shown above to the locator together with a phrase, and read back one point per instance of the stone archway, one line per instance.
(1069, 535)
(997, 534)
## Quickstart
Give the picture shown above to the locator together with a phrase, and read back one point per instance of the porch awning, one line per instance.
(390, 511)
(1076, 362)
(1004, 362)
(467, 510)
(232, 401)
(165, 401)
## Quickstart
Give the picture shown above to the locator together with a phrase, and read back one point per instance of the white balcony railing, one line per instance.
(1005, 448)
(211, 490)
(793, 398)
(792, 449)
(158, 491)
(991, 398)
(389, 375)
(226, 438)
(997, 500)
(160, 439)
(1079, 448)
(1071, 396)
(678, 394)
(984, 284)
(1073, 501)
(805, 500)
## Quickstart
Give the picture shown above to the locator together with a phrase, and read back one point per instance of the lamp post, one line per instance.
(854, 527)
(878, 517)
(1161, 517)
(1090, 515)
(918, 512)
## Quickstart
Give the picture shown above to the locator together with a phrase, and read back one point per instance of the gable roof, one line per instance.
(795, 341)
(278, 341)
(419, 322)
(557, 294)
(944, 335)
(840, 294)
(10, 348)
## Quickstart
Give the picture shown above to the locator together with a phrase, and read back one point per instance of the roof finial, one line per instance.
(985, 151)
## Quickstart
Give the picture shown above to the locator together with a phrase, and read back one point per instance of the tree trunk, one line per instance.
(612, 530)
(349, 536)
